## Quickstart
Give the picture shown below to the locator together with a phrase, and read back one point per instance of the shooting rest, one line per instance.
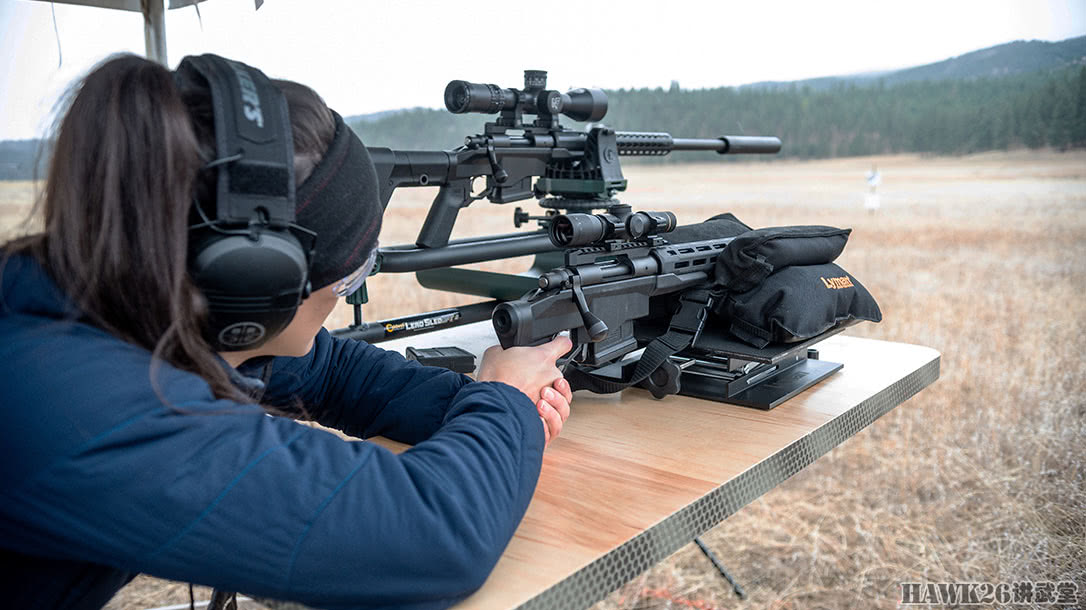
(633, 479)
(722, 369)
(715, 367)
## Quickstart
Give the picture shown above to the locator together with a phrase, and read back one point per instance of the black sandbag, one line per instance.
(797, 303)
(721, 225)
(754, 255)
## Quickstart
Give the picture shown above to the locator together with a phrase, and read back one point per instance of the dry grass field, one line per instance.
(980, 477)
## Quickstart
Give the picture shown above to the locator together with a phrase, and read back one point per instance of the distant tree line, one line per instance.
(17, 158)
(1040, 109)
(1035, 110)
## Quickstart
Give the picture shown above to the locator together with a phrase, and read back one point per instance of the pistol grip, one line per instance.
(439, 222)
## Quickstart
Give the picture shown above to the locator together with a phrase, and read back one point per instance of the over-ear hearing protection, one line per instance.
(247, 258)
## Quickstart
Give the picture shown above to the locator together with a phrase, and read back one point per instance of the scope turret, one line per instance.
(578, 104)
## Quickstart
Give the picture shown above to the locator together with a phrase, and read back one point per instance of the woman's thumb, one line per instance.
(559, 345)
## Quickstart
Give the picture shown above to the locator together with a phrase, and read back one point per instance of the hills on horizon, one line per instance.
(1016, 57)
(1022, 93)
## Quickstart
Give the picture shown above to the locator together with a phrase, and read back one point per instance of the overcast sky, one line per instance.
(365, 56)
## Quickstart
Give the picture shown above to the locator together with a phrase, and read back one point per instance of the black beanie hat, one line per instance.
(341, 203)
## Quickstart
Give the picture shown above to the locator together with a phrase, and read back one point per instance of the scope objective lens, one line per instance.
(462, 97)
(568, 230)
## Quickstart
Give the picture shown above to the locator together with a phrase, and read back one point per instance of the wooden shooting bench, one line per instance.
(633, 479)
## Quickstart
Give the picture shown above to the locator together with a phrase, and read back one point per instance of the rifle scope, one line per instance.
(570, 230)
(578, 104)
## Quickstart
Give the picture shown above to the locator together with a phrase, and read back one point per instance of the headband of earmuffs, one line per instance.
(253, 144)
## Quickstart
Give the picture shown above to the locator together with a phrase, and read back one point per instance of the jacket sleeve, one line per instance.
(363, 390)
(218, 493)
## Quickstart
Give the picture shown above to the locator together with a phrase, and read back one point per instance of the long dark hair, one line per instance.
(125, 167)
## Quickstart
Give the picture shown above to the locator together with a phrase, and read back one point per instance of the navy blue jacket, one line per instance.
(114, 466)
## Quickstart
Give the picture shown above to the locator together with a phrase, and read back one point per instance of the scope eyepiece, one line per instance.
(585, 105)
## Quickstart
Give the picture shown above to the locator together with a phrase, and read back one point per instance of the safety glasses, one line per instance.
(350, 284)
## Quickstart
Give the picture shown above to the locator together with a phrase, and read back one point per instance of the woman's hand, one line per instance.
(553, 408)
(532, 371)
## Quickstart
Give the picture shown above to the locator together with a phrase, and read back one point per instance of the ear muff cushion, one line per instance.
(253, 287)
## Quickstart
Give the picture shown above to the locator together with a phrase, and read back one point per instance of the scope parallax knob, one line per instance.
(638, 226)
(647, 223)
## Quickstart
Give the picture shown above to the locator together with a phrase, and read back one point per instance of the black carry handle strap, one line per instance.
(686, 325)
(750, 333)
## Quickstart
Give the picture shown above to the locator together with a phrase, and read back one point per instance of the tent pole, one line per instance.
(154, 30)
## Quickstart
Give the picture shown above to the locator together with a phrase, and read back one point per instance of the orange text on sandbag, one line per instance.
(837, 283)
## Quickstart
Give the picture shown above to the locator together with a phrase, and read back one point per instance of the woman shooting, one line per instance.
(148, 432)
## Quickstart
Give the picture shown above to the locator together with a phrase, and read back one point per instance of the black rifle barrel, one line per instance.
(634, 143)
(751, 145)
(400, 259)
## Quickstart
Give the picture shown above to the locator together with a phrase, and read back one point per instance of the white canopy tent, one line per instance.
(154, 18)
